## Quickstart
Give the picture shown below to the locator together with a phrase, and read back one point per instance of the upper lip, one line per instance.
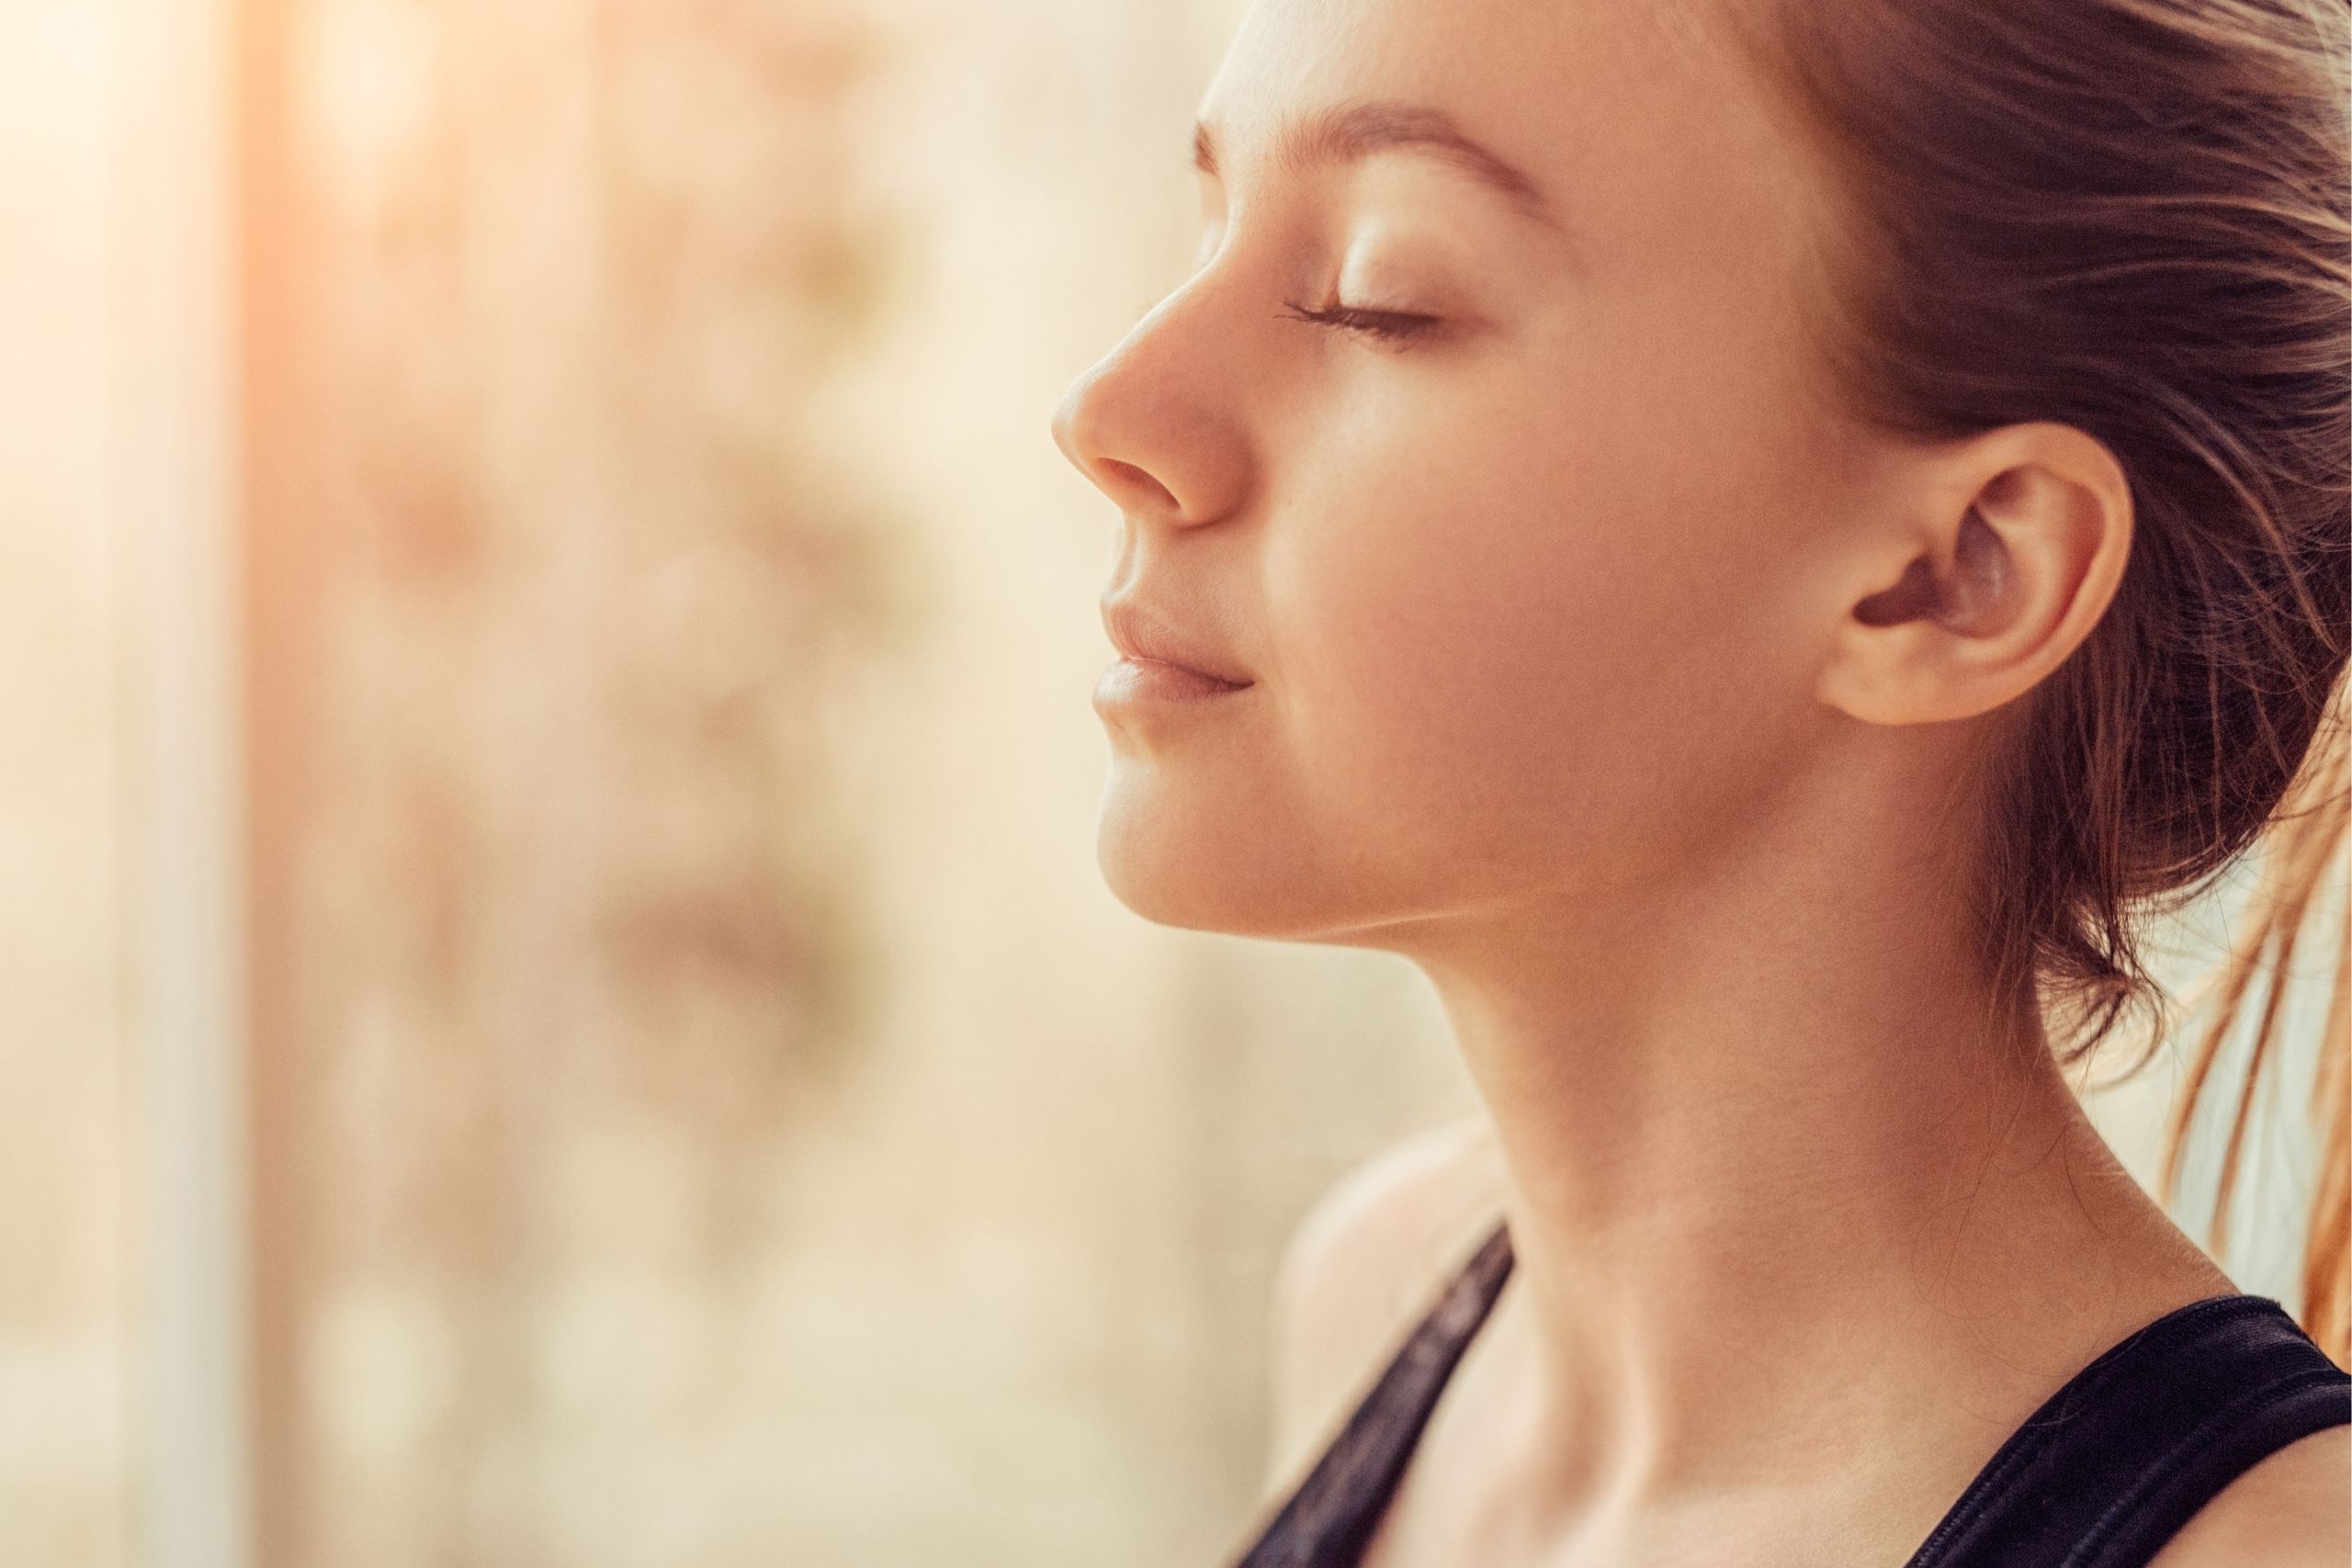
(1141, 633)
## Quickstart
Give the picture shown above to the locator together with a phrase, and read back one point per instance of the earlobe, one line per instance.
(2028, 530)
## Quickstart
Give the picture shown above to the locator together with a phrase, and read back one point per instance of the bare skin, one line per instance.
(1601, 668)
(1362, 1265)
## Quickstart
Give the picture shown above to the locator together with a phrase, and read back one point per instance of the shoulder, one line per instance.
(2292, 1509)
(1363, 1265)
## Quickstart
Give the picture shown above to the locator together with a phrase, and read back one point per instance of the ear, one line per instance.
(2009, 554)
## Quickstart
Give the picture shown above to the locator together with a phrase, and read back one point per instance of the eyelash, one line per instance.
(1387, 325)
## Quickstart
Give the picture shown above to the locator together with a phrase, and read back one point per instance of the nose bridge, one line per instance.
(1154, 423)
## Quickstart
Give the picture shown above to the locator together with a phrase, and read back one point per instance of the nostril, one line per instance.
(1128, 475)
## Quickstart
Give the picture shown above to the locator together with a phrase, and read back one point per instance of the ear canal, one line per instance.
(1912, 595)
(1980, 574)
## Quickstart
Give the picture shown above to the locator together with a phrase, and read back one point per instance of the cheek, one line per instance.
(1509, 639)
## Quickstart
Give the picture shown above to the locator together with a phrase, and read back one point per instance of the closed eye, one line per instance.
(1387, 325)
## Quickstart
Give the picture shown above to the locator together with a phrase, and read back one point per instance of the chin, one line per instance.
(1215, 870)
(1196, 870)
(1168, 871)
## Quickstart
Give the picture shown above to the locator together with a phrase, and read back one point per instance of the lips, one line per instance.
(1142, 634)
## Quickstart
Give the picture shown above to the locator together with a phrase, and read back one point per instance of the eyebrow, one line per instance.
(1350, 133)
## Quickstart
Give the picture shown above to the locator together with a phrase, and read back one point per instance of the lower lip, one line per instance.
(1147, 680)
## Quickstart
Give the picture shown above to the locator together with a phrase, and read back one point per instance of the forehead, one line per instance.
(1641, 120)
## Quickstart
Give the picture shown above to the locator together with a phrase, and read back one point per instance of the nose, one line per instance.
(1157, 422)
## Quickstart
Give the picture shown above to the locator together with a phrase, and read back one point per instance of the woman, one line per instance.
(1750, 543)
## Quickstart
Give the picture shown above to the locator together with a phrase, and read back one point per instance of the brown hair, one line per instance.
(2130, 217)
(2310, 836)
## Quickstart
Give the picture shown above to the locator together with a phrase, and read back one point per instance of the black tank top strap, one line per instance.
(2102, 1475)
(2110, 1466)
(1327, 1520)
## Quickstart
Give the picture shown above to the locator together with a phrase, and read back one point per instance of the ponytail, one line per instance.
(2307, 839)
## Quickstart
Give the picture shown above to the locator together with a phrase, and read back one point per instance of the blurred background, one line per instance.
(557, 1007)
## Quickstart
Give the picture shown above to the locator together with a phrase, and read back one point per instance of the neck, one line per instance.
(1774, 1158)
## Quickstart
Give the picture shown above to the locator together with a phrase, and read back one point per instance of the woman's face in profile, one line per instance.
(1517, 551)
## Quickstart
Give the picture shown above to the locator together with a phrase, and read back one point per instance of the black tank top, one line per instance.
(2099, 1476)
